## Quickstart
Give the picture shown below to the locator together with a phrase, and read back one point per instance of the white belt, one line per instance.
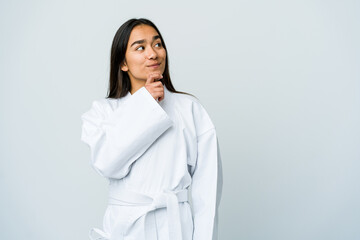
(167, 199)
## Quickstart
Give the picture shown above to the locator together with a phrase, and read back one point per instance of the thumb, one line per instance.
(152, 77)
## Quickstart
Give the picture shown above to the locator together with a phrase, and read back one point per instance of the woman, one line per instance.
(153, 143)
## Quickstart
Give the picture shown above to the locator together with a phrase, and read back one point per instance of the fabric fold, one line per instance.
(118, 138)
(166, 199)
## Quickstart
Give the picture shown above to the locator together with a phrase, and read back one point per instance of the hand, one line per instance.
(154, 87)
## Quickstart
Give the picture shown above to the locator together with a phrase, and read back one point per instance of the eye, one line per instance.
(158, 44)
(140, 47)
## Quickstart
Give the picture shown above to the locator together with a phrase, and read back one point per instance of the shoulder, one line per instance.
(186, 99)
(105, 104)
(99, 108)
(194, 108)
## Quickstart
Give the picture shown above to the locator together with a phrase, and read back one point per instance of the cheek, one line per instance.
(163, 53)
(135, 61)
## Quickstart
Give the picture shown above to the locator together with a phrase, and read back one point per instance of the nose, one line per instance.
(150, 53)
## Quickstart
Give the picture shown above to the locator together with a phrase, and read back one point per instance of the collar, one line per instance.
(167, 94)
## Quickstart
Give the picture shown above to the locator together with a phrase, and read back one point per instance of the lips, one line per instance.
(154, 65)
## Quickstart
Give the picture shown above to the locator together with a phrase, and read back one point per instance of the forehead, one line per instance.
(142, 32)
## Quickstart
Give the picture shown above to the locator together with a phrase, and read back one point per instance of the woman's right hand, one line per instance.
(154, 87)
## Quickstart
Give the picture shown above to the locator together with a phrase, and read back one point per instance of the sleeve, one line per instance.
(119, 137)
(206, 187)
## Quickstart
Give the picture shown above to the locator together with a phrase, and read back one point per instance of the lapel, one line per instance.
(167, 96)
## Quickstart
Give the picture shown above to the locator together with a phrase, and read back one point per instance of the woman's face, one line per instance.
(144, 49)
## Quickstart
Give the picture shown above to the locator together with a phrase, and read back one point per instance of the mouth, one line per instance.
(154, 65)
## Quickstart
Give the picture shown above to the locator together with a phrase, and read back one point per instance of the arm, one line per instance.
(207, 186)
(118, 138)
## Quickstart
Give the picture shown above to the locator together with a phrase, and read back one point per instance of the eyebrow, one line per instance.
(143, 40)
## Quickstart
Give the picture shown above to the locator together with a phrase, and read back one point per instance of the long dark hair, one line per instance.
(119, 83)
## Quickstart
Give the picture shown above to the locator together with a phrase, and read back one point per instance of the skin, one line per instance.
(140, 56)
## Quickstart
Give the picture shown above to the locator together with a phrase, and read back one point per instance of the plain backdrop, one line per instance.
(280, 80)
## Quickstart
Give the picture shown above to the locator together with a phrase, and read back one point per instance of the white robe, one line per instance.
(152, 152)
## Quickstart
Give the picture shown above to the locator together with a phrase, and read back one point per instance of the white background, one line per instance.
(280, 80)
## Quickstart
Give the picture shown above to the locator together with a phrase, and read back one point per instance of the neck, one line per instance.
(136, 85)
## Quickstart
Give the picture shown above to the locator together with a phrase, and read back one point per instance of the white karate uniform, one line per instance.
(152, 152)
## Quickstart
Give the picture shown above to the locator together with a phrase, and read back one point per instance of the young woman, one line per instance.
(153, 144)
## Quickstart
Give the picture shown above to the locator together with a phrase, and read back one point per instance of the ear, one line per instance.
(124, 67)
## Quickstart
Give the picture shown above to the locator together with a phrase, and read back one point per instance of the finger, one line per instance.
(157, 93)
(153, 76)
(161, 95)
(158, 85)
